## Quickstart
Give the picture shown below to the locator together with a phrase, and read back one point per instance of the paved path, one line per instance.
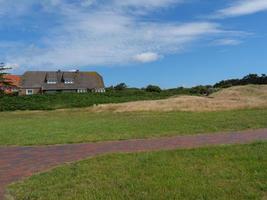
(19, 162)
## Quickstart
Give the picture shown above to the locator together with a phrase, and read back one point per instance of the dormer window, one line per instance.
(51, 82)
(69, 81)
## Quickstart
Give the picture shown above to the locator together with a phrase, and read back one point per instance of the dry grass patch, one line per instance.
(240, 97)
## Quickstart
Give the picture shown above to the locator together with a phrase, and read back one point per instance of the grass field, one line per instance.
(239, 97)
(230, 172)
(80, 125)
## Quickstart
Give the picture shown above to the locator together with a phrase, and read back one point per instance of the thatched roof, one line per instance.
(81, 80)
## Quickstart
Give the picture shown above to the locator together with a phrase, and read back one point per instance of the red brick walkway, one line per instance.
(19, 162)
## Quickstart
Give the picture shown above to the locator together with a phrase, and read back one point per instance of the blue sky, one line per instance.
(164, 42)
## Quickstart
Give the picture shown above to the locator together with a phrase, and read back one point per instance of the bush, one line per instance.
(202, 90)
(249, 79)
(121, 86)
(153, 88)
(72, 100)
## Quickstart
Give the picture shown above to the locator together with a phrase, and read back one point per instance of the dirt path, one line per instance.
(19, 162)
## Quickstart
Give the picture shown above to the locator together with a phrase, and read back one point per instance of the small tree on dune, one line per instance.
(153, 88)
(121, 86)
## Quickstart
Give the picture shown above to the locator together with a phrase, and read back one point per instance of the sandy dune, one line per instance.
(251, 96)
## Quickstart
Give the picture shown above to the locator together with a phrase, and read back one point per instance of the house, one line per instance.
(40, 82)
(14, 81)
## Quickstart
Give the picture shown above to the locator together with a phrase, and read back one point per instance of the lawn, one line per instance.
(79, 125)
(229, 172)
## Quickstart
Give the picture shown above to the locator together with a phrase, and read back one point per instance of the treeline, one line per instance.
(200, 89)
(249, 79)
(197, 90)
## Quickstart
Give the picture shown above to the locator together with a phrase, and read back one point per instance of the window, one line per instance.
(68, 82)
(82, 90)
(29, 91)
(14, 89)
(51, 82)
(99, 90)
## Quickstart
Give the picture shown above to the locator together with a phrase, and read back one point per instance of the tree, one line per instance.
(121, 86)
(3, 81)
(249, 79)
(263, 79)
(153, 88)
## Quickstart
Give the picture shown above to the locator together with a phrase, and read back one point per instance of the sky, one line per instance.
(169, 43)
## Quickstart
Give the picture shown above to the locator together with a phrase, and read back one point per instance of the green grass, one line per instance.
(75, 126)
(223, 173)
(74, 100)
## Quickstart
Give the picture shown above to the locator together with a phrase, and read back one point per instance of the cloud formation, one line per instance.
(242, 7)
(227, 42)
(88, 42)
(147, 57)
(90, 32)
(148, 4)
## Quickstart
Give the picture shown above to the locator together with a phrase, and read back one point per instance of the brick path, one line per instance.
(19, 162)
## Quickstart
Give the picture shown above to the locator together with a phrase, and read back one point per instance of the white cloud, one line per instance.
(13, 7)
(147, 57)
(102, 35)
(87, 42)
(227, 42)
(145, 4)
(242, 7)
(88, 2)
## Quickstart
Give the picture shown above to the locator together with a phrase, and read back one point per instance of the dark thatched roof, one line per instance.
(81, 80)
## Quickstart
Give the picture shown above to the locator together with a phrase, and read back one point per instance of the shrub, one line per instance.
(249, 79)
(120, 86)
(153, 88)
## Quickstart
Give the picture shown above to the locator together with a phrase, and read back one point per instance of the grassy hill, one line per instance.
(248, 91)
(238, 97)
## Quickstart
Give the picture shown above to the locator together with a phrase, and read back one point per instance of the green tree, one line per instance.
(121, 86)
(153, 88)
(3, 81)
